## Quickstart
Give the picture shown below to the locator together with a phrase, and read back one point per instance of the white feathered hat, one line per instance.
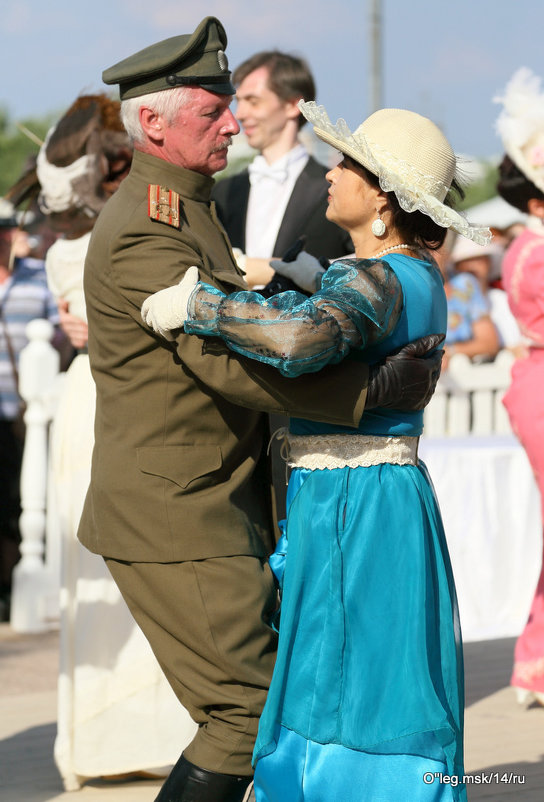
(520, 124)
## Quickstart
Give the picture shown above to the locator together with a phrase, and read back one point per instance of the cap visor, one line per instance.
(219, 89)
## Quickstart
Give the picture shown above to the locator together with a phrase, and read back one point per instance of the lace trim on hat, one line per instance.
(415, 191)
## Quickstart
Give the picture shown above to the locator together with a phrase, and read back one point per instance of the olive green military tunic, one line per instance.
(179, 500)
(176, 472)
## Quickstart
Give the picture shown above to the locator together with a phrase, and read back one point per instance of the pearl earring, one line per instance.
(378, 226)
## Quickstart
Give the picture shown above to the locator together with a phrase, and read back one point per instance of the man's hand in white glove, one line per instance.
(167, 309)
(305, 271)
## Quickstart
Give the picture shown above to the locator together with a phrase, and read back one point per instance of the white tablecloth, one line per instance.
(491, 510)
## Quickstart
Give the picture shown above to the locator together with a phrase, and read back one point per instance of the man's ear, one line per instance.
(152, 123)
(292, 109)
(535, 207)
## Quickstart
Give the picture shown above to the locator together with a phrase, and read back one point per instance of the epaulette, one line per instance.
(163, 204)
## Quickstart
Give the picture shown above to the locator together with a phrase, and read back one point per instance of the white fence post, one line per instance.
(33, 580)
(468, 398)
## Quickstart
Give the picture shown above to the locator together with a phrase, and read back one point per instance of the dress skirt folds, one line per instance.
(366, 702)
(116, 711)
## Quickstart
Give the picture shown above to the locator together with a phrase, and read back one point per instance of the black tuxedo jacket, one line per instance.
(305, 214)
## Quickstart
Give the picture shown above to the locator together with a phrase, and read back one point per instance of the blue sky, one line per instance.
(446, 60)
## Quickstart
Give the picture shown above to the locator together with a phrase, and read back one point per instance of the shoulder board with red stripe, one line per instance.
(163, 205)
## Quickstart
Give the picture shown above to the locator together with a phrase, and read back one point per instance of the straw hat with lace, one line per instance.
(408, 154)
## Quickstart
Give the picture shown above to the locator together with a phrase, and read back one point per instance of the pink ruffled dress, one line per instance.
(523, 277)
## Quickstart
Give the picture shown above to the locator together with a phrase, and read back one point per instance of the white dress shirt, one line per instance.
(271, 186)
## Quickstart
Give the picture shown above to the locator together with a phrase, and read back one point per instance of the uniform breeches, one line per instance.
(206, 622)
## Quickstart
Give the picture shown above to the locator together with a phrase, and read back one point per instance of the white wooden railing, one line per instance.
(467, 401)
(468, 398)
(36, 577)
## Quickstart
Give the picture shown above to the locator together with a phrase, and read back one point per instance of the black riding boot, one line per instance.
(188, 783)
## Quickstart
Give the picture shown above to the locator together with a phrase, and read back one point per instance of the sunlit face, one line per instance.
(201, 133)
(479, 266)
(352, 198)
(261, 112)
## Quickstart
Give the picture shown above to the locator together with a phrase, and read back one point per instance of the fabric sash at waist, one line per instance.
(350, 451)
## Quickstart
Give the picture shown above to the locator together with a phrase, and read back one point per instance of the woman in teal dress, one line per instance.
(366, 701)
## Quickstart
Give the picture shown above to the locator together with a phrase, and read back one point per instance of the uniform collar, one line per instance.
(188, 183)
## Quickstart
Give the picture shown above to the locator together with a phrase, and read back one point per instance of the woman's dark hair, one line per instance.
(515, 187)
(416, 227)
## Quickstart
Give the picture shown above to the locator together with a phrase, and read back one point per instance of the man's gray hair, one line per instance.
(166, 103)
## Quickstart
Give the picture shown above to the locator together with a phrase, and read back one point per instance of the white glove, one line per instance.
(305, 271)
(167, 309)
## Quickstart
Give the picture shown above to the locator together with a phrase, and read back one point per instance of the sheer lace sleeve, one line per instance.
(358, 305)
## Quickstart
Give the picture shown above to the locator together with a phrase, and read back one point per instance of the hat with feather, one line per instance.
(81, 163)
(520, 124)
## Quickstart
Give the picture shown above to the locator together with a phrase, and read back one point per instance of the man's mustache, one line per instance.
(223, 146)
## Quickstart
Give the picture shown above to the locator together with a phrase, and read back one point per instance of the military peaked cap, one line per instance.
(194, 59)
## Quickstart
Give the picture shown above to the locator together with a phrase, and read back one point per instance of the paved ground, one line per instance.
(503, 740)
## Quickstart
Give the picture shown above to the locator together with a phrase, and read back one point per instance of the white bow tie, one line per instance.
(260, 169)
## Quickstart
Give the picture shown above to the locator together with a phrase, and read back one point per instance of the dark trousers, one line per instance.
(11, 453)
(206, 622)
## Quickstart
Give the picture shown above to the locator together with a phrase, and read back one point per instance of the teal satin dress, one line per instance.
(366, 700)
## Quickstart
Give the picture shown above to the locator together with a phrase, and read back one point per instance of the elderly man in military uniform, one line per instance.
(179, 502)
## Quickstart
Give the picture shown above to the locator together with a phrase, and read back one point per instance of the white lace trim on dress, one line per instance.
(350, 451)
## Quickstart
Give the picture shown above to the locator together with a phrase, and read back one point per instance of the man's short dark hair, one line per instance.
(289, 76)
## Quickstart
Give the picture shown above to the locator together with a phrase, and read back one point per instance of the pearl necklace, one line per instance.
(402, 245)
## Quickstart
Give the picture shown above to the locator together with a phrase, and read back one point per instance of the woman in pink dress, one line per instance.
(521, 183)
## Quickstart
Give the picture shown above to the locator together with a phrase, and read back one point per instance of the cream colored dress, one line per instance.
(116, 712)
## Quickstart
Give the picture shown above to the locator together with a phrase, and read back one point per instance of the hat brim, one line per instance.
(410, 194)
(128, 91)
(219, 89)
(342, 146)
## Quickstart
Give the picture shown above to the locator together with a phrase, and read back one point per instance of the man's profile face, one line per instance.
(261, 112)
(199, 137)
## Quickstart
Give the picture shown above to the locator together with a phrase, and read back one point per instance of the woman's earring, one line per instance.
(378, 226)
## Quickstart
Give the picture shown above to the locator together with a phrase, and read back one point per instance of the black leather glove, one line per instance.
(407, 379)
(280, 283)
